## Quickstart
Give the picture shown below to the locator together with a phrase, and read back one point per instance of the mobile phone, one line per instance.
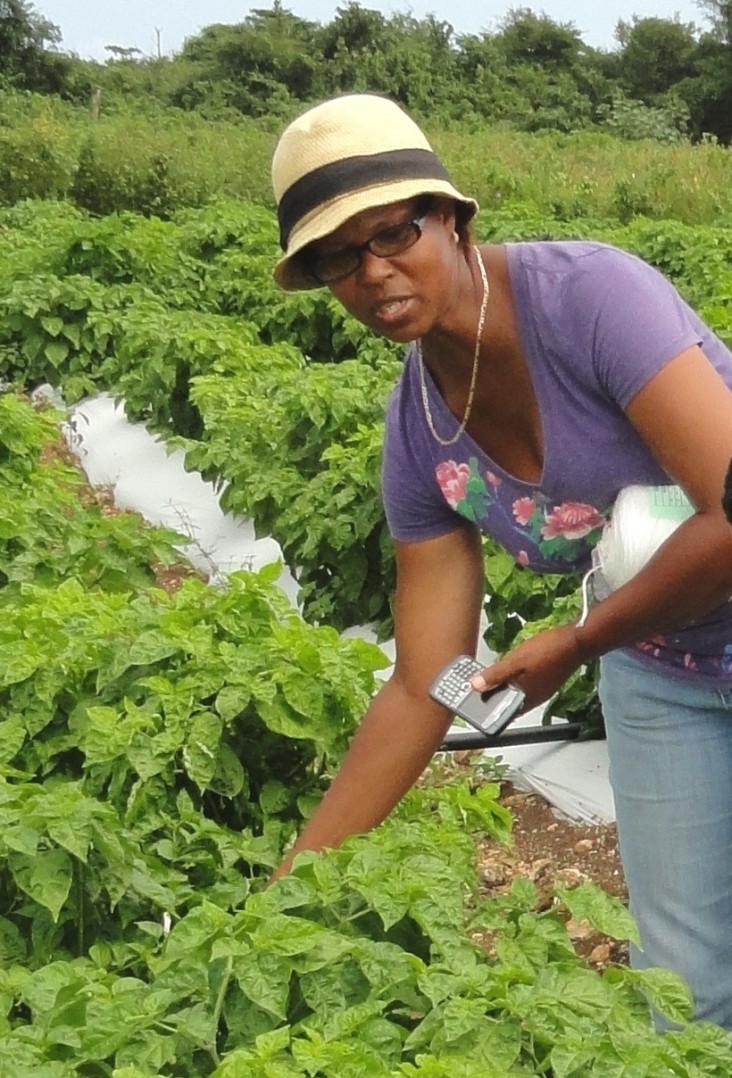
(490, 711)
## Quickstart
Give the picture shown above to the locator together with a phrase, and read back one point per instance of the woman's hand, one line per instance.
(539, 665)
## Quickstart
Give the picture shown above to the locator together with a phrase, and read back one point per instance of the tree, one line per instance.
(656, 54)
(719, 13)
(24, 39)
(536, 39)
(354, 29)
(22, 30)
(269, 56)
(411, 60)
(710, 94)
(123, 53)
(554, 79)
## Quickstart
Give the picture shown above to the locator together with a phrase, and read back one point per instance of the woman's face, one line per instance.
(401, 296)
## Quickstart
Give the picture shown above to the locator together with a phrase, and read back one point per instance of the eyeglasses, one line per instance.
(336, 265)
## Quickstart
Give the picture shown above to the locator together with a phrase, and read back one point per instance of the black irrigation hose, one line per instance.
(530, 735)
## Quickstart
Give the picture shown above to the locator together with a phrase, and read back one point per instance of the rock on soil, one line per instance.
(551, 849)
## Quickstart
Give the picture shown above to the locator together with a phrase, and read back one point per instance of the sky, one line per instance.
(87, 28)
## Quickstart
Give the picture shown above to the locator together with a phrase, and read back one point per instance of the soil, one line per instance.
(550, 849)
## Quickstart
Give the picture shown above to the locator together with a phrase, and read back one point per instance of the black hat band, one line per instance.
(353, 174)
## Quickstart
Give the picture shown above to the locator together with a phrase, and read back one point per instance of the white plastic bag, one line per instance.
(642, 519)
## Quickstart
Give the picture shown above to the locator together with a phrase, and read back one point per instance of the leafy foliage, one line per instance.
(308, 472)
(518, 605)
(158, 751)
(357, 963)
(180, 737)
(24, 39)
(51, 526)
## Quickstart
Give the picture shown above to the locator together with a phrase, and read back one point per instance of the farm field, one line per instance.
(163, 745)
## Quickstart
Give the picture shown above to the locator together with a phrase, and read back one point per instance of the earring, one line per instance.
(455, 237)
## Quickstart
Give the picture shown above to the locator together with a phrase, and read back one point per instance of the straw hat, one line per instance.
(347, 155)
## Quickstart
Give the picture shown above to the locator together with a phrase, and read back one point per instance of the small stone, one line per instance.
(600, 955)
(539, 866)
(493, 874)
(572, 875)
(583, 846)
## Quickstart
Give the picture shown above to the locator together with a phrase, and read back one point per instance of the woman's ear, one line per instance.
(445, 208)
(454, 221)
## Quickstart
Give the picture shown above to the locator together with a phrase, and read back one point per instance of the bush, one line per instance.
(631, 119)
(37, 158)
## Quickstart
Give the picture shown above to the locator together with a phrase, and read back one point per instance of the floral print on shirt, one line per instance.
(554, 535)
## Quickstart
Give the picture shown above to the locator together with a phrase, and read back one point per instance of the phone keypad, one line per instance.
(454, 684)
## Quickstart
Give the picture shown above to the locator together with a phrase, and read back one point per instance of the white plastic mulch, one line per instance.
(144, 477)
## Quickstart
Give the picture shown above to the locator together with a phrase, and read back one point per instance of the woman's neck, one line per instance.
(448, 349)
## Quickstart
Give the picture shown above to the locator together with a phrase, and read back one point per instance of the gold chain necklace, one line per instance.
(474, 374)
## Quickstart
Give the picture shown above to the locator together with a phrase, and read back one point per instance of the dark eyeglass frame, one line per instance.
(353, 256)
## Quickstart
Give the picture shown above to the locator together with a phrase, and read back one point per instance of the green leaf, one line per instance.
(22, 837)
(570, 1059)
(72, 332)
(462, 1016)
(200, 754)
(499, 568)
(229, 778)
(664, 990)
(56, 352)
(265, 980)
(345, 1059)
(52, 325)
(74, 834)
(32, 345)
(231, 701)
(151, 647)
(46, 877)
(604, 912)
(12, 944)
(270, 1044)
(303, 694)
(280, 718)
(274, 797)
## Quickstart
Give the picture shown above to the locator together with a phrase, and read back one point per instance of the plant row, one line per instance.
(158, 751)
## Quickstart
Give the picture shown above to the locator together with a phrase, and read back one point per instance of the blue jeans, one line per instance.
(670, 749)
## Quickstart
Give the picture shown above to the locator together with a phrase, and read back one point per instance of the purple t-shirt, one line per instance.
(596, 324)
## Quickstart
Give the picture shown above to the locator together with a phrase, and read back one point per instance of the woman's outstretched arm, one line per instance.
(440, 591)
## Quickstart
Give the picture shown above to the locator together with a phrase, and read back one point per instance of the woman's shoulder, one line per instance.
(574, 285)
(575, 259)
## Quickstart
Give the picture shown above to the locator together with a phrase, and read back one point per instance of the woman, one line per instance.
(541, 378)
